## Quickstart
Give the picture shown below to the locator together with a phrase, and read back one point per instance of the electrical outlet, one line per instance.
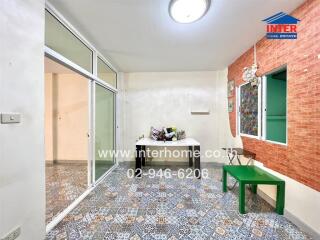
(13, 234)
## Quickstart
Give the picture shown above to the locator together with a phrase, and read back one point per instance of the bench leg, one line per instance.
(254, 188)
(242, 198)
(224, 180)
(280, 198)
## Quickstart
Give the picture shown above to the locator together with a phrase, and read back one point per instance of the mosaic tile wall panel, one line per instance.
(158, 208)
(249, 109)
(64, 183)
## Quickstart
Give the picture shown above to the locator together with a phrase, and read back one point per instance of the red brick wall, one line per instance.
(300, 159)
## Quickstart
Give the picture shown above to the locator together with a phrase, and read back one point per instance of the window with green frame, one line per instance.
(276, 106)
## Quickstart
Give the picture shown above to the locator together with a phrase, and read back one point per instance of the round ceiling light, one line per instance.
(188, 11)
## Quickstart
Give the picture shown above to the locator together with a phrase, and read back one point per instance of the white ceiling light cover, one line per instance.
(188, 11)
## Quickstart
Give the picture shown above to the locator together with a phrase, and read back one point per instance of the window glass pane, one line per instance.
(249, 109)
(66, 140)
(104, 130)
(106, 74)
(61, 40)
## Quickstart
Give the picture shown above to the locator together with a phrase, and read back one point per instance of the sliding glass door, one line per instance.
(66, 137)
(104, 130)
(79, 119)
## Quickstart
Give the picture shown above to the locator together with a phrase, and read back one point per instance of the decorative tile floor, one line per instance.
(159, 208)
(64, 183)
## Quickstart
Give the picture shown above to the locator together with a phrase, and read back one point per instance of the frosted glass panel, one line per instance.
(106, 74)
(249, 109)
(61, 40)
(104, 133)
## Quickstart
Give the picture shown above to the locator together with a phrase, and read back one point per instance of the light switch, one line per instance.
(7, 118)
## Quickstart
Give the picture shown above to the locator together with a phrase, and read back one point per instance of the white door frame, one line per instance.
(92, 80)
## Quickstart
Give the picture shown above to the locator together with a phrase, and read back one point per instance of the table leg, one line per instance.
(242, 197)
(190, 156)
(280, 198)
(138, 169)
(230, 163)
(143, 156)
(224, 180)
(197, 168)
(238, 160)
(230, 158)
(250, 159)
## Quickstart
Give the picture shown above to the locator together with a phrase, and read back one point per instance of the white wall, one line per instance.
(66, 118)
(49, 153)
(166, 98)
(301, 202)
(22, 194)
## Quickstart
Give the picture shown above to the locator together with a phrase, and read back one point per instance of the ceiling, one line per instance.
(140, 36)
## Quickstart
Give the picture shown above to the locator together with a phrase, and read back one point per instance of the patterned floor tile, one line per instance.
(158, 208)
(64, 184)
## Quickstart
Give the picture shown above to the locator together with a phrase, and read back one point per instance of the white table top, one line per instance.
(179, 143)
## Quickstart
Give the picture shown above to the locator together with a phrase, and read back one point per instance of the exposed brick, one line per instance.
(300, 159)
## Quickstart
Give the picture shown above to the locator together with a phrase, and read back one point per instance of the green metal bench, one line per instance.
(254, 176)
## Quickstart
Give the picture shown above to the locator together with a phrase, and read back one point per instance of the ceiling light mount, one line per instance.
(188, 11)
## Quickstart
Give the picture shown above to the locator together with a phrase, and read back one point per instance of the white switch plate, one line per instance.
(200, 111)
(7, 118)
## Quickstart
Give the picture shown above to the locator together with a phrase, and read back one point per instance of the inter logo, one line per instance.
(281, 26)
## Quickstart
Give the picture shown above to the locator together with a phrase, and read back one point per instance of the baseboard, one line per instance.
(294, 219)
(267, 198)
(67, 162)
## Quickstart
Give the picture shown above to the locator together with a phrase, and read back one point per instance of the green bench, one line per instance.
(254, 176)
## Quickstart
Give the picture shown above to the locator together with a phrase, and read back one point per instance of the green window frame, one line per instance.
(275, 109)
